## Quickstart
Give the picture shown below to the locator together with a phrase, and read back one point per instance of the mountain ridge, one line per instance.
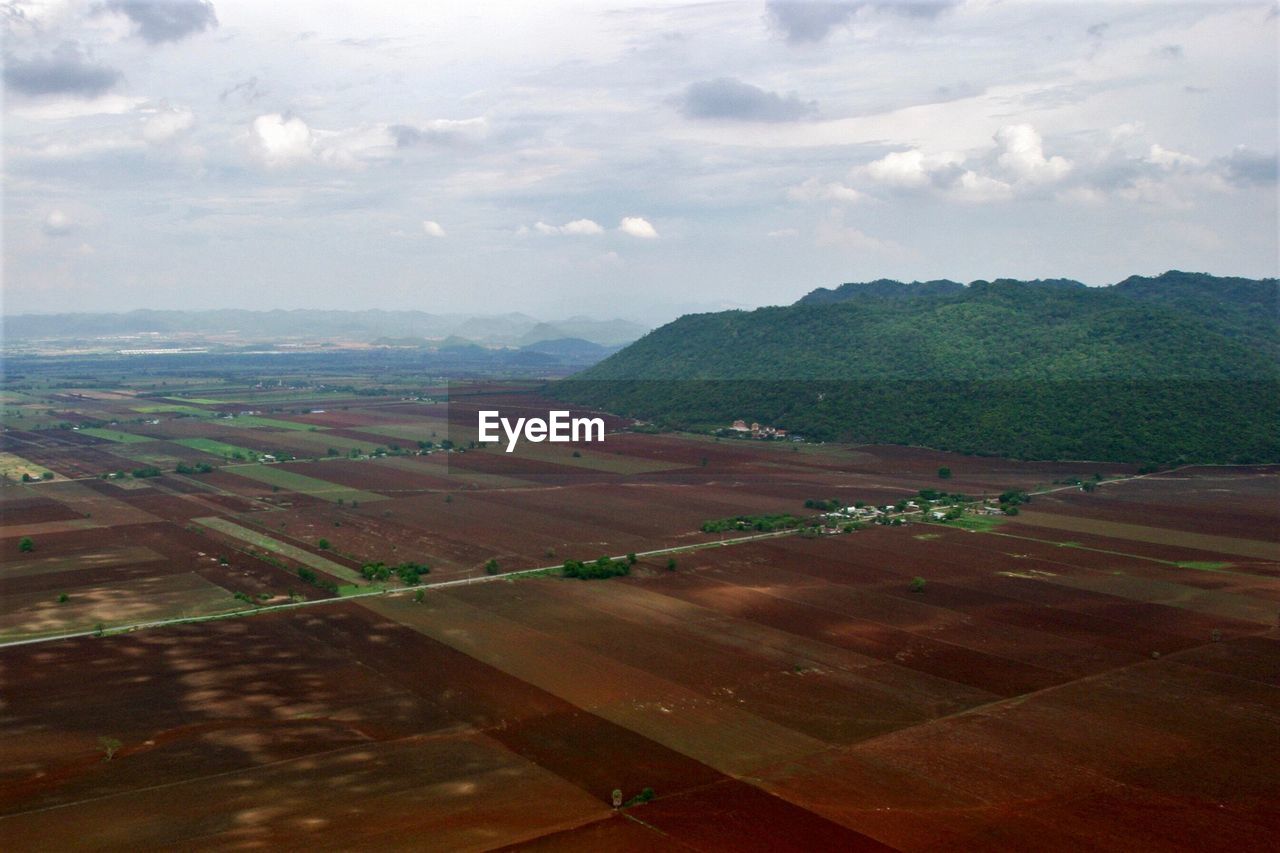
(1178, 366)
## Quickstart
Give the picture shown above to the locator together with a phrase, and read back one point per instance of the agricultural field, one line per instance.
(1097, 670)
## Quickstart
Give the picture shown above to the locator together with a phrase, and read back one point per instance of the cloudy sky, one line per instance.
(637, 160)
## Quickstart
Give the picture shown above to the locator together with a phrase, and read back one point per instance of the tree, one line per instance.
(917, 584)
(63, 598)
(944, 473)
(323, 544)
(631, 559)
(671, 564)
(47, 475)
(25, 545)
(491, 566)
(419, 595)
(110, 746)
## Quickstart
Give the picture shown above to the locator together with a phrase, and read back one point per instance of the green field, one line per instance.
(322, 441)
(217, 448)
(267, 543)
(115, 435)
(14, 466)
(250, 421)
(275, 476)
(170, 407)
(979, 523)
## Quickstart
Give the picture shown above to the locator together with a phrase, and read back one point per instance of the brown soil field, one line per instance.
(33, 510)
(1252, 520)
(1117, 691)
(1256, 549)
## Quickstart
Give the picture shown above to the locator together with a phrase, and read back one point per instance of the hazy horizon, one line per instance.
(637, 161)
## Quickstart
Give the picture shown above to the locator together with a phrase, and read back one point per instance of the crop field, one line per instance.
(1100, 669)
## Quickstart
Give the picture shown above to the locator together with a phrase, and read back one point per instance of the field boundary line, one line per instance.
(276, 608)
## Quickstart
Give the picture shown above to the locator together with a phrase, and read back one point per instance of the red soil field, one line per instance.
(788, 694)
(33, 510)
(1251, 519)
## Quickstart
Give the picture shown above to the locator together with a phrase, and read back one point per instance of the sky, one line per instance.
(637, 160)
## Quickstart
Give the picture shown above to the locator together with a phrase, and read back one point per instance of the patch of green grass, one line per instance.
(267, 543)
(1203, 565)
(301, 483)
(977, 523)
(115, 435)
(251, 421)
(217, 448)
(927, 536)
(154, 408)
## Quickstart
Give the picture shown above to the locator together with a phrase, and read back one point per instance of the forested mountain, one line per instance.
(1181, 366)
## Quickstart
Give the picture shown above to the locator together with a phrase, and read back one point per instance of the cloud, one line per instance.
(909, 169)
(283, 141)
(248, 89)
(1167, 159)
(280, 141)
(833, 232)
(636, 226)
(1023, 155)
(813, 20)
(815, 190)
(166, 123)
(432, 228)
(576, 228)
(58, 224)
(441, 132)
(1246, 168)
(728, 98)
(974, 187)
(1018, 160)
(65, 72)
(783, 232)
(159, 21)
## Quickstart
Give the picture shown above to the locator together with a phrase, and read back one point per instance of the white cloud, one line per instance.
(432, 228)
(900, 169)
(814, 190)
(636, 226)
(576, 228)
(58, 224)
(908, 169)
(72, 108)
(1023, 155)
(980, 188)
(281, 141)
(833, 232)
(783, 232)
(164, 124)
(1166, 159)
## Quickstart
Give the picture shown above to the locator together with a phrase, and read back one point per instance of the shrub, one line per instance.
(323, 544)
(26, 545)
(917, 584)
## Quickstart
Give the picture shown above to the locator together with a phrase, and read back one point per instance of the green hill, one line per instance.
(1178, 367)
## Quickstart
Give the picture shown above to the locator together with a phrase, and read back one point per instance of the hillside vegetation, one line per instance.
(1177, 367)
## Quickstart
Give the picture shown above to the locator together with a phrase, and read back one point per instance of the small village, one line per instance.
(755, 430)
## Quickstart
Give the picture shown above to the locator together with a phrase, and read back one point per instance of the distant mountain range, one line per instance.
(394, 328)
(1181, 366)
